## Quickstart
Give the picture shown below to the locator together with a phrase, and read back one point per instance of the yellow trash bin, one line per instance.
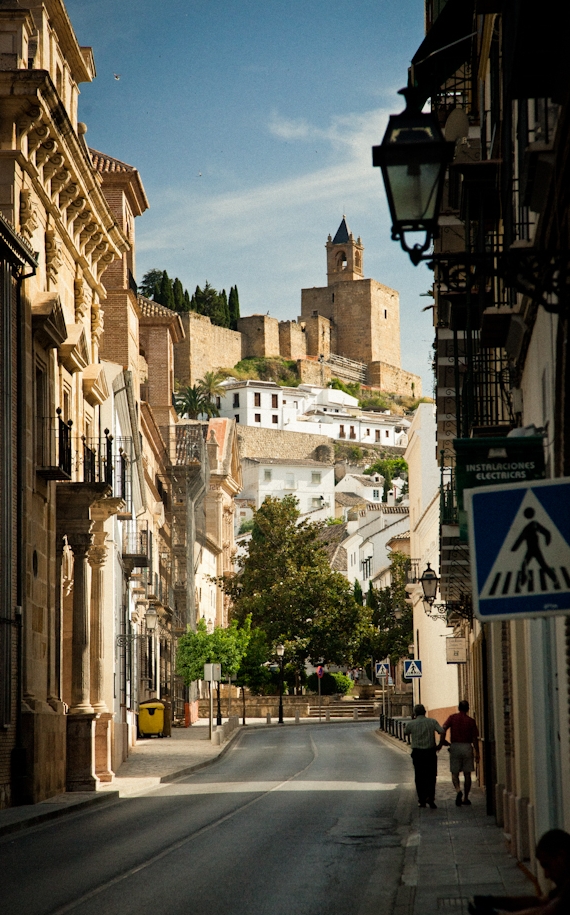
(151, 718)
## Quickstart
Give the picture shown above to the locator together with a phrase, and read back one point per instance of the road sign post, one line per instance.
(320, 672)
(519, 537)
(382, 673)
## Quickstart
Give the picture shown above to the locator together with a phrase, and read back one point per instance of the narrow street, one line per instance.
(290, 821)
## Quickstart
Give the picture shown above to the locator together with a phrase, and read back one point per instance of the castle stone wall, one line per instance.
(393, 379)
(205, 348)
(313, 372)
(255, 442)
(260, 335)
(292, 340)
(318, 333)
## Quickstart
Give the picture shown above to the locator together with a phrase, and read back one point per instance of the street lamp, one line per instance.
(413, 157)
(429, 582)
(280, 651)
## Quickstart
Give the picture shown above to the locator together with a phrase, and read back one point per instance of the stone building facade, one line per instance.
(101, 485)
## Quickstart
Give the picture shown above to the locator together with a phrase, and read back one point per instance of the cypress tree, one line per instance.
(166, 294)
(224, 310)
(233, 306)
(187, 301)
(178, 294)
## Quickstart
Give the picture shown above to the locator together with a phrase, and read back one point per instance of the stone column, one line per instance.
(80, 542)
(100, 512)
(81, 718)
(74, 501)
(97, 556)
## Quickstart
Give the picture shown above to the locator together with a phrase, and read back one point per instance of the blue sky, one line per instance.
(251, 124)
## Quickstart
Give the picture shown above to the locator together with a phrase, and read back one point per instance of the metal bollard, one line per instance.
(355, 716)
(296, 716)
(268, 718)
(328, 715)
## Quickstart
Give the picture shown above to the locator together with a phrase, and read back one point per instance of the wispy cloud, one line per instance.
(266, 206)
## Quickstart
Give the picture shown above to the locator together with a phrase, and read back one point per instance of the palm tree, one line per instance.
(190, 402)
(211, 387)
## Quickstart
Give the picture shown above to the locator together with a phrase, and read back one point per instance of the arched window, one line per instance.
(341, 260)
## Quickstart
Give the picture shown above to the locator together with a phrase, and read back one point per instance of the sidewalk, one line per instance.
(454, 853)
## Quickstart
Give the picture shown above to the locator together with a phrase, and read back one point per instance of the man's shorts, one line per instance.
(461, 758)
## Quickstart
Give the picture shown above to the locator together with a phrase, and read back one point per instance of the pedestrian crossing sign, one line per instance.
(412, 668)
(519, 538)
(382, 669)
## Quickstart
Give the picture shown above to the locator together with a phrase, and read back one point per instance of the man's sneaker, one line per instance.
(459, 799)
(467, 802)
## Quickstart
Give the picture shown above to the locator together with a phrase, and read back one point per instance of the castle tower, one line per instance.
(361, 316)
(344, 256)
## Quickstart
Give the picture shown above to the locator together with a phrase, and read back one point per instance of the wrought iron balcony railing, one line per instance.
(448, 496)
(136, 546)
(62, 456)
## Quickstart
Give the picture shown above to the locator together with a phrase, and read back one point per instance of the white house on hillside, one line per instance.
(310, 409)
(311, 482)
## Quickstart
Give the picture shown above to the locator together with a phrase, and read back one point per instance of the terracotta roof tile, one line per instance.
(104, 163)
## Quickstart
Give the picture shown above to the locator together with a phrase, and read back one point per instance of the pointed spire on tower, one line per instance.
(342, 236)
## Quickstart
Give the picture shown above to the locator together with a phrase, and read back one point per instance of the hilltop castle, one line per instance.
(348, 329)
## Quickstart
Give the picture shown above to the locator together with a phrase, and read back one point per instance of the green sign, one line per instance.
(492, 461)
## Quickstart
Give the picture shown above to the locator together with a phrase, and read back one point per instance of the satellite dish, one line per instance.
(457, 125)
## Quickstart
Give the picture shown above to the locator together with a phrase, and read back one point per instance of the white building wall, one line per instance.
(206, 590)
(307, 482)
(271, 406)
(438, 687)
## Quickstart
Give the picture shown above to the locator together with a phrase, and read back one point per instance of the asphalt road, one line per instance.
(291, 821)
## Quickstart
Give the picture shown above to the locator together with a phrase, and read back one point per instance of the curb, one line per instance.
(393, 741)
(69, 806)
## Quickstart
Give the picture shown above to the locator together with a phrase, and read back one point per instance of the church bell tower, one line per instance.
(344, 256)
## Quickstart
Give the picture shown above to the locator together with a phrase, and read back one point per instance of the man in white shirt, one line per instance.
(422, 731)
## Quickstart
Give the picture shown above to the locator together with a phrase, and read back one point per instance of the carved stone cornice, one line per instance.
(28, 213)
(54, 257)
(80, 299)
(97, 325)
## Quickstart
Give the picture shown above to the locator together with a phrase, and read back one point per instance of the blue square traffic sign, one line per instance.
(412, 668)
(519, 541)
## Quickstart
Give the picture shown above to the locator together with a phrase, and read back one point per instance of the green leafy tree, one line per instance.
(150, 283)
(208, 301)
(391, 629)
(357, 589)
(193, 651)
(285, 582)
(225, 646)
(233, 306)
(392, 467)
(253, 672)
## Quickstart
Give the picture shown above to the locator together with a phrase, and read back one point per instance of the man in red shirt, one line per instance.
(463, 750)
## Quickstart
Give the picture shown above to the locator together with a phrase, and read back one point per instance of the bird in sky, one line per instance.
(117, 76)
